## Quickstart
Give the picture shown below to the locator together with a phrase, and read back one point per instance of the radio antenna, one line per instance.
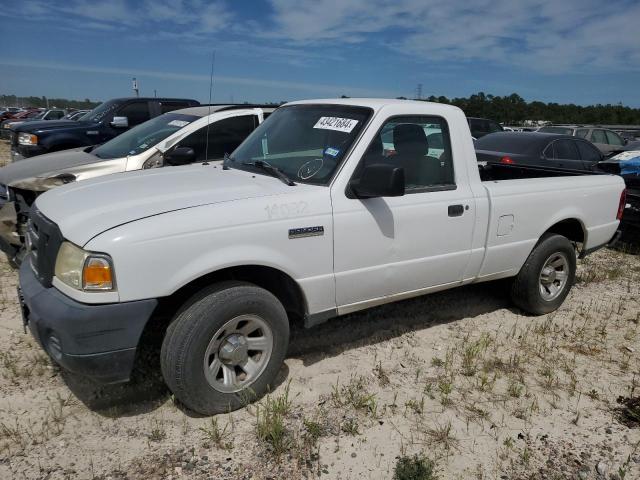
(213, 62)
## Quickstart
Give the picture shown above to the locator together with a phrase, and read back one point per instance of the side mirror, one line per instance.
(180, 156)
(120, 122)
(379, 180)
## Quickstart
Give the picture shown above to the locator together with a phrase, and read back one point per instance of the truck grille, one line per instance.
(43, 239)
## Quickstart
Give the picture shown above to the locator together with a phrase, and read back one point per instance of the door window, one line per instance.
(224, 137)
(598, 136)
(136, 113)
(582, 132)
(494, 127)
(588, 152)
(420, 145)
(565, 150)
(613, 138)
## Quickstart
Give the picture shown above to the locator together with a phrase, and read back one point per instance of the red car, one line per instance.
(22, 114)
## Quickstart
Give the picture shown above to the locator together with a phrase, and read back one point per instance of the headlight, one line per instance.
(154, 162)
(82, 270)
(43, 184)
(27, 139)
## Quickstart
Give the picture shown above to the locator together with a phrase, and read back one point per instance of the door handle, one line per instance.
(455, 210)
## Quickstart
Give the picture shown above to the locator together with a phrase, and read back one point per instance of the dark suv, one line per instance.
(103, 123)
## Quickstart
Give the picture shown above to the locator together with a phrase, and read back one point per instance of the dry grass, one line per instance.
(483, 390)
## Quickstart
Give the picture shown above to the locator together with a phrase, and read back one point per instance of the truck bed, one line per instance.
(631, 218)
(532, 200)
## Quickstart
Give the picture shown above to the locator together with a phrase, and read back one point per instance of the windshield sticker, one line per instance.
(178, 123)
(309, 169)
(333, 152)
(336, 123)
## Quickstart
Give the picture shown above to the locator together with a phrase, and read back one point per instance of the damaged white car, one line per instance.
(175, 138)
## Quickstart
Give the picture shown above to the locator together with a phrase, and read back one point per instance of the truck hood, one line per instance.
(47, 125)
(85, 209)
(44, 166)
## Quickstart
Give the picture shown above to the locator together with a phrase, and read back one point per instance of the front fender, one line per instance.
(156, 256)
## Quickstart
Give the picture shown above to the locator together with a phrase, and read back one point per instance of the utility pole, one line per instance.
(155, 93)
(135, 87)
(419, 92)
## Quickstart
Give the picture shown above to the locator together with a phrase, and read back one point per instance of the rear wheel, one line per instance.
(546, 278)
(225, 347)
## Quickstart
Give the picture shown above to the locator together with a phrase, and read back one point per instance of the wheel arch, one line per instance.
(572, 228)
(277, 282)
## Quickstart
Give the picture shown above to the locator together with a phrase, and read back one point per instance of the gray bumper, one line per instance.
(99, 340)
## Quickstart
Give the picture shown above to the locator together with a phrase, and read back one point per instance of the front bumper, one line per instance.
(20, 152)
(94, 340)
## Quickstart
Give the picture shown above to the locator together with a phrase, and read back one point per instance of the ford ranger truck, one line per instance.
(309, 218)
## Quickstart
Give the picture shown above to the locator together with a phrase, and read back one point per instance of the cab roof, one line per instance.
(376, 103)
(204, 110)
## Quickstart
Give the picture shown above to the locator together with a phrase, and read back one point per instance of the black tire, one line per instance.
(188, 336)
(525, 287)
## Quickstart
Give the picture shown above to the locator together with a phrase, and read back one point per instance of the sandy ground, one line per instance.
(460, 378)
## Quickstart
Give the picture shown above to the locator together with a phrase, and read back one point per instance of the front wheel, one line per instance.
(546, 278)
(225, 347)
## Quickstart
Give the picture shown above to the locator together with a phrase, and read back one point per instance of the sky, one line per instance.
(569, 51)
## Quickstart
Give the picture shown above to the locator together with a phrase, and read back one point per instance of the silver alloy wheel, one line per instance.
(238, 353)
(554, 276)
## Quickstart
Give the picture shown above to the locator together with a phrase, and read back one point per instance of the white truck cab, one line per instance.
(309, 218)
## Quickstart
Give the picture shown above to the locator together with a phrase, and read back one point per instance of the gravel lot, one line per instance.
(461, 379)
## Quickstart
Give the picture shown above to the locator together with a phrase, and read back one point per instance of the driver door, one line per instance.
(396, 246)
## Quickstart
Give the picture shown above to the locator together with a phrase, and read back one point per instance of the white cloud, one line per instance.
(188, 16)
(545, 35)
(549, 36)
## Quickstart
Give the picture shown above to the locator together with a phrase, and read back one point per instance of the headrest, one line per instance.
(410, 139)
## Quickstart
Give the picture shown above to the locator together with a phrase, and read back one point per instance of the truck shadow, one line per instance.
(146, 391)
(380, 324)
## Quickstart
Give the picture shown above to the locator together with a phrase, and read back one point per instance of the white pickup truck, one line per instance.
(311, 217)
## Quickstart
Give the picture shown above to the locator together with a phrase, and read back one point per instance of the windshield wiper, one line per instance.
(276, 172)
(226, 160)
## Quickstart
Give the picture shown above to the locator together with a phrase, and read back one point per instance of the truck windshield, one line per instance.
(99, 112)
(143, 136)
(305, 142)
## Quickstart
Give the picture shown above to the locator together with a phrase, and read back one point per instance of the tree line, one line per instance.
(41, 102)
(509, 109)
(513, 110)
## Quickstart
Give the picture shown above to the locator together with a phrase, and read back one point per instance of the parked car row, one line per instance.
(7, 114)
(103, 123)
(179, 137)
(326, 207)
(607, 141)
(8, 126)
